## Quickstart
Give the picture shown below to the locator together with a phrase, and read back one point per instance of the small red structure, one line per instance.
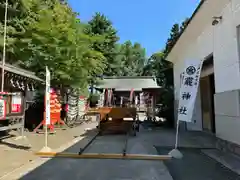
(55, 113)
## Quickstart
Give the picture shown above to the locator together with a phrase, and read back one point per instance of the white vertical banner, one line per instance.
(101, 99)
(189, 89)
(136, 100)
(121, 101)
(110, 97)
(47, 96)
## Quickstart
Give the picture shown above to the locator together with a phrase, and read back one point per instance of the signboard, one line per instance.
(188, 90)
(47, 101)
(2, 109)
(16, 104)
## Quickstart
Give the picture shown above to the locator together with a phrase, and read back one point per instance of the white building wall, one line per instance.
(227, 73)
(226, 60)
(199, 36)
(200, 49)
(221, 40)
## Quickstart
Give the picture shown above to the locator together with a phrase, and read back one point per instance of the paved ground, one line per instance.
(104, 169)
(15, 153)
(229, 160)
(195, 165)
(166, 138)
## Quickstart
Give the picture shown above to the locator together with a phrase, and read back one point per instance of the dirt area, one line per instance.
(15, 153)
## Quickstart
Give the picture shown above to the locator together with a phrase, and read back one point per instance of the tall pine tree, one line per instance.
(101, 26)
(184, 24)
(174, 34)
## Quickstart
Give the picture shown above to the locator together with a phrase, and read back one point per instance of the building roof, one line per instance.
(189, 21)
(20, 71)
(126, 83)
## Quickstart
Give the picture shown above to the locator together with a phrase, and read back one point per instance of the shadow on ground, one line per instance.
(108, 169)
(56, 167)
(154, 125)
(12, 145)
(195, 165)
(15, 146)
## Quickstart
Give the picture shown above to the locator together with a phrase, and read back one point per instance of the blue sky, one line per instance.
(145, 21)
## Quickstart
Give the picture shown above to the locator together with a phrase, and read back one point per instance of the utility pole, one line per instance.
(4, 44)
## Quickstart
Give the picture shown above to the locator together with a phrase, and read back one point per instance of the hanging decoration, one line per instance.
(82, 106)
(12, 83)
(18, 85)
(22, 86)
(72, 106)
(21, 83)
(33, 89)
(28, 89)
(101, 100)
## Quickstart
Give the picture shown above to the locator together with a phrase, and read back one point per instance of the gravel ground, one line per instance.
(197, 166)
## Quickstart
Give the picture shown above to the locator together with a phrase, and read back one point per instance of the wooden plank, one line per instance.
(103, 156)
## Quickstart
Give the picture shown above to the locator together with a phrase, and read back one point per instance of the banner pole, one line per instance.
(177, 132)
(175, 152)
(4, 44)
(46, 136)
(47, 111)
(45, 126)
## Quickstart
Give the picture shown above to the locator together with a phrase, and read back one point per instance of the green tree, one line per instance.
(14, 8)
(174, 34)
(132, 58)
(163, 71)
(14, 27)
(101, 26)
(184, 24)
(48, 33)
(160, 68)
